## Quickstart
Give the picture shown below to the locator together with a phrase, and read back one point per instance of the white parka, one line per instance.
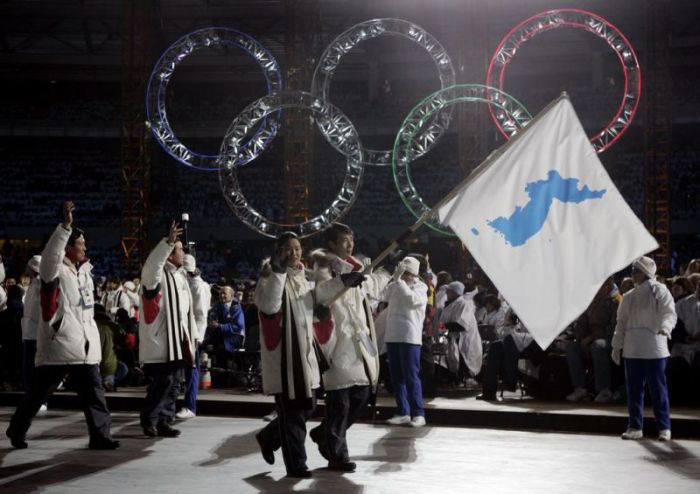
(31, 313)
(405, 312)
(466, 343)
(201, 298)
(352, 344)
(67, 332)
(645, 318)
(282, 298)
(153, 331)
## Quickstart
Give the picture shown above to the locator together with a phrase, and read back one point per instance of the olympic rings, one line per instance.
(336, 124)
(411, 142)
(163, 71)
(597, 25)
(330, 59)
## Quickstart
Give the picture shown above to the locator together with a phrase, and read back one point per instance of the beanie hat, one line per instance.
(646, 265)
(457, 287)
(411, 265)
(189, 263)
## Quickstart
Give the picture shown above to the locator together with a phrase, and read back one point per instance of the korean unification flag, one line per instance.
(546, 223)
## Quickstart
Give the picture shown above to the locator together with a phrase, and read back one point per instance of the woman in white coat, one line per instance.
(407, 297)
(645, 318)
(288, 351)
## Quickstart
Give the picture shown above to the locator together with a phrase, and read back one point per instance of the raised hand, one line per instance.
(175, 231)
(68, 208)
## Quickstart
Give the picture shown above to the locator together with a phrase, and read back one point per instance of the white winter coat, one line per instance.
(352, 344)
(276, 328)
(67, 332)
(31, 314)
(688, 311)
(466, 343)
(405, 312)
(117, 299)
(201, 300)
(153, 331)
(645, 318)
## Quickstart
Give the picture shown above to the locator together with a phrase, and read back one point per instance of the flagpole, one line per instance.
(476, 173)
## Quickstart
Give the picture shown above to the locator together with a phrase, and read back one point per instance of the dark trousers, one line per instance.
(192, 384)
(288, 431)
(652, 372)
(343, 408)
(88, 383)
(28, 354)
(404, 366)
(164, 386)
(502, 360)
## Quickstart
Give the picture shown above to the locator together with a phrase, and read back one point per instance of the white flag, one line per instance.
(547, 224)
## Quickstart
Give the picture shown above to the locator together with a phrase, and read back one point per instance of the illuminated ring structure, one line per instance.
(163, 72)
(330, 59)
(595, 24)
(233, 150)
(412, 141)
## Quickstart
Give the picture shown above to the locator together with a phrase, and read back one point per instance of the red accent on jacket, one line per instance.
(323, 329)
(151, 307)
(49, 303)
(271, 329)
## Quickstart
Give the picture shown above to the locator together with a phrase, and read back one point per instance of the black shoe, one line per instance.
(268, 453)
(342, 466)
(103, 443)
(149, 430)
(316, 435)
(164, 430)
(489, 397)
(300, 474)
(16, 440)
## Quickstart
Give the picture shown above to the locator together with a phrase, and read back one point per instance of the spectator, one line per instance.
(464, 342)
(226, 331)
(503, 356)
(592, 343)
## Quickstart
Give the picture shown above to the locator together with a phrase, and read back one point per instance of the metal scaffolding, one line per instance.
(303, 18)
(135, 159)
(657, 138)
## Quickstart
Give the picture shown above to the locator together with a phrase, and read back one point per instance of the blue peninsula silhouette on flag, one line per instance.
(527, 220)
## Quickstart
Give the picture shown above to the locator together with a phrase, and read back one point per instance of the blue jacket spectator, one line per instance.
(226, 323)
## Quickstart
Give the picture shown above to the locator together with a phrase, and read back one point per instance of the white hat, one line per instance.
(33, 263)
(189, 263)
(457, 287)
(129, 285)
(646, 265)
(411, 265)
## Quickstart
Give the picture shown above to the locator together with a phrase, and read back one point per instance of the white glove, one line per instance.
(366, 262)
(664, 332)
(398, 272)
(616, 356)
